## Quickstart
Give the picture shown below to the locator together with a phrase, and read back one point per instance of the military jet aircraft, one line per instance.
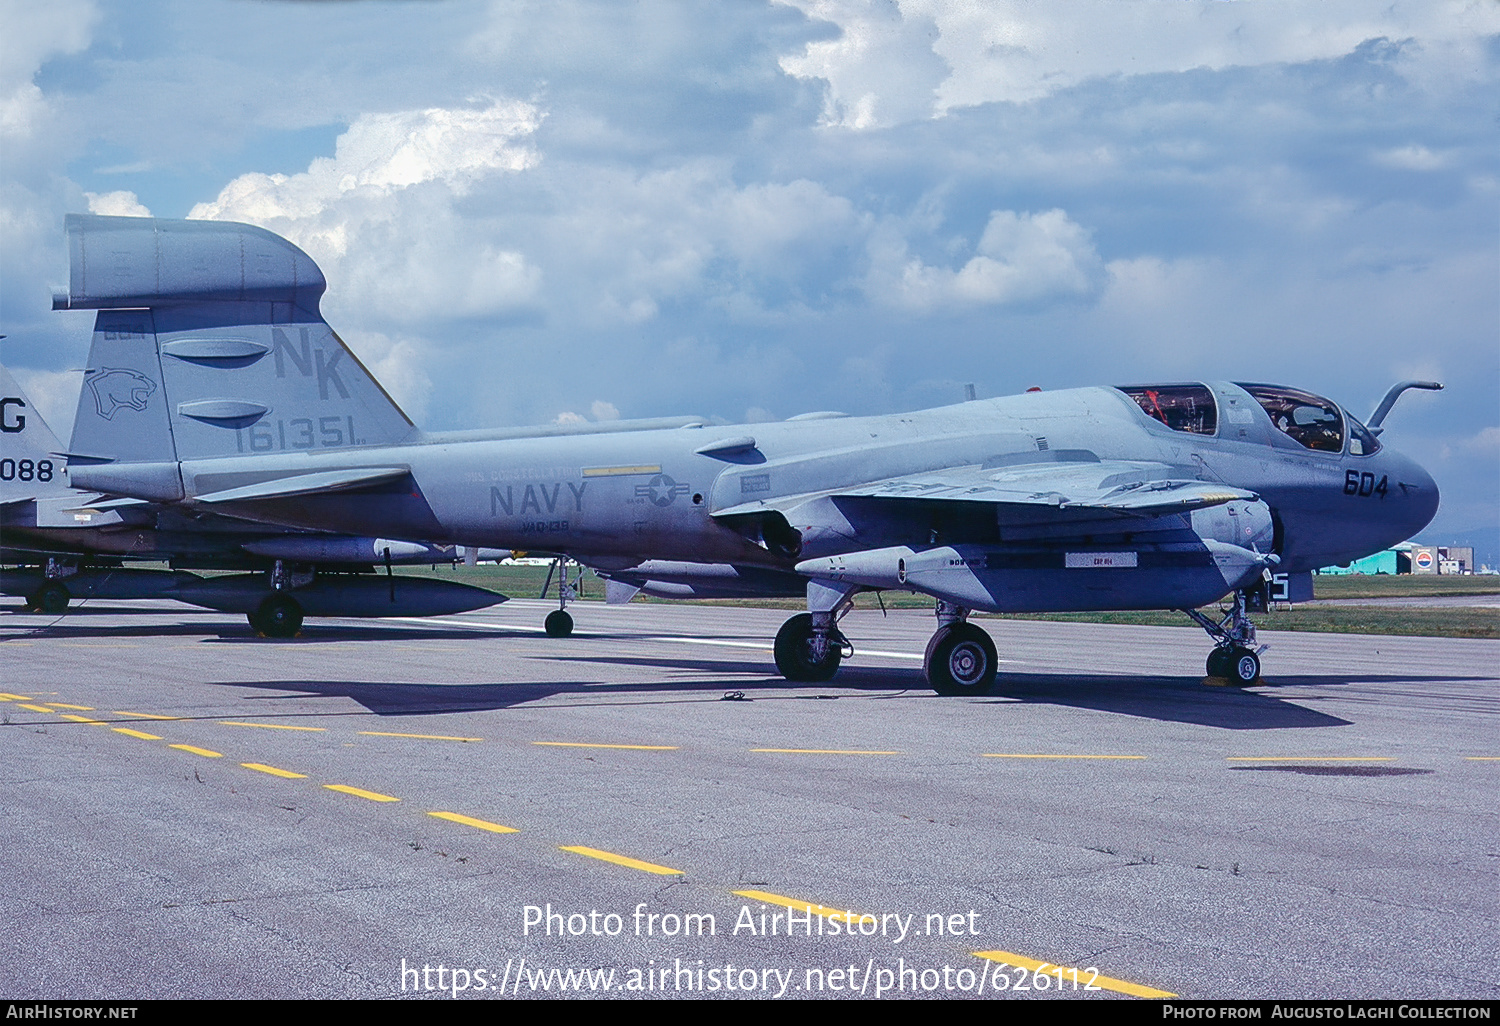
(216, 384)
(57, 547)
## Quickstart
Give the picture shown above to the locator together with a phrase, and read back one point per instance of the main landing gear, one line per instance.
(279, 615)
(1236, 657)
(559, 622)
(960, 658)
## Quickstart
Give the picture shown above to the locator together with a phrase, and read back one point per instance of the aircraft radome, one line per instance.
(59, 544)
(216, 384)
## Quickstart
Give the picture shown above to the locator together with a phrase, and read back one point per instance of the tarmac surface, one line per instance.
(646, 810)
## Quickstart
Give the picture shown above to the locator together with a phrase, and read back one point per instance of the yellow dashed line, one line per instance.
(145, 716)
(1108, 983)
(583, 744)
(359, 792)
(135, 733)
(1482, 758)
(206, 753)
(1307, 759)
(261, 767)
(81, 719)
(269, 726)
(999, 755)
(65, 705)
(819, 751)
(425, 737)
(842, 915)
(478, 824)
(36, 708)
(622, 860)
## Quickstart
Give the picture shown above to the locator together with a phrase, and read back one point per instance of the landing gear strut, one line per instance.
(1236, 657)
(810, 646)
(961, 658)
(803, 653)
(559, 622)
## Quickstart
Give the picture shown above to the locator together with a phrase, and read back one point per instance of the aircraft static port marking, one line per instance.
(424, 737)
(620, 471)
(136, 733)
(585, 744)
(621, 860)
(207, 753)
(359, 792)
(478, 824)
(270, 726)
(1031, 965)
(261, 767)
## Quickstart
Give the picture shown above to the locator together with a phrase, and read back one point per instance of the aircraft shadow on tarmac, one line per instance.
(1166, 699)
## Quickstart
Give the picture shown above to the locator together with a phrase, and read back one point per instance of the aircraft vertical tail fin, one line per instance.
(209, 343)
(30, 467)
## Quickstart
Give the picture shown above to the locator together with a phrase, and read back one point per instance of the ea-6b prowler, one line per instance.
(231, 393)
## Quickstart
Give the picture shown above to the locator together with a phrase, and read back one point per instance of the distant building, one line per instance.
(1442, 559)
(1407, 558)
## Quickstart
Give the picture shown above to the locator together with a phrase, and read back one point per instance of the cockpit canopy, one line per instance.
(1189, 408)
(1309, 420)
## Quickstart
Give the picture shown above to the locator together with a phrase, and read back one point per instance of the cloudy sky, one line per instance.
(756, 209)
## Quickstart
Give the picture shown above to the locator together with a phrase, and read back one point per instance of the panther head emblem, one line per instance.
(114, 388)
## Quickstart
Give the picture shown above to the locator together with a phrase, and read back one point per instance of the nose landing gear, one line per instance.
(1236, 657)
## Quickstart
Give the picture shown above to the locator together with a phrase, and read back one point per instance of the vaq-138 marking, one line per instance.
(1160, 496)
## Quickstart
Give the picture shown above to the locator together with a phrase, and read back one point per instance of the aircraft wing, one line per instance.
(1040, 493)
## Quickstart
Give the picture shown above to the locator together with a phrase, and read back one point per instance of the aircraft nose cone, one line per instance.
(1418, 492)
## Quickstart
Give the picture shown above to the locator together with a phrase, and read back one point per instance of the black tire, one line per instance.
(961, 660)
(1218, 664)
(52, 599)
(559, 624)
(1244, 667)
(794, 659)
(279, 616)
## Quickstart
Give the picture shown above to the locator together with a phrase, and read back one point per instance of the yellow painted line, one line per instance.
(65, 705)
(359, 792)
(261, 767)
(1108, 983)
(622, 860)
(425, 737)
(621, 471)
(205, 752)
(135, 733)
(145, 716)
(842, 915)
(269, 726)
(999, 755)
(819, 751)
(1482, 758)
(478, 824)
(1307, 759)
(80, 719)
(14, 698)
(584, 744)
(37, 708)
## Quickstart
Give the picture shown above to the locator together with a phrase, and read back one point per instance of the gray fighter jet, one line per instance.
(215, 384)
(57, 547)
